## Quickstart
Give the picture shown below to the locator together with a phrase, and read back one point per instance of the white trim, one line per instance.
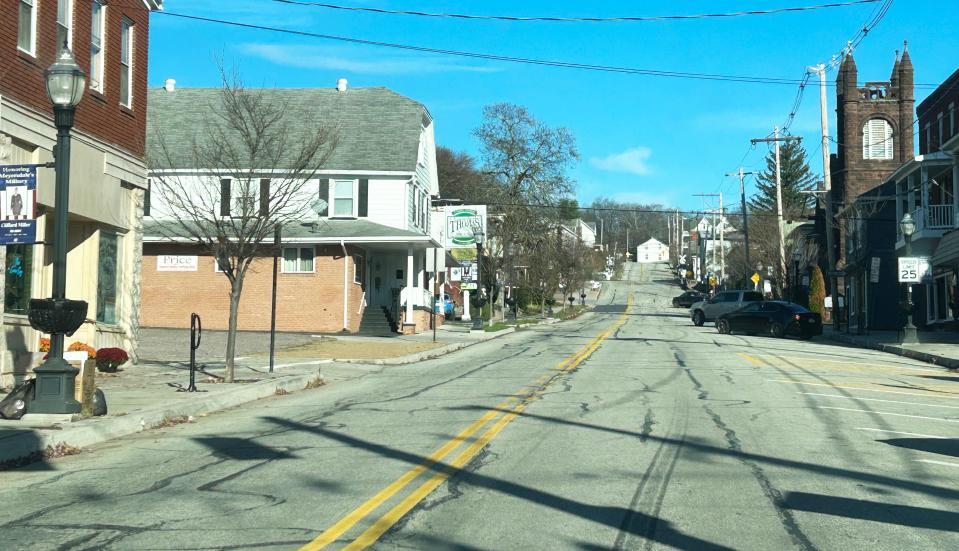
(99, 63)
(128, 25)
(331, 173)
(153, 5)
(316, 240)
(70, 24)
(32, 52)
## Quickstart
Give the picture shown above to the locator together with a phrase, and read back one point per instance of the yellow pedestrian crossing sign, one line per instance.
(755, 279)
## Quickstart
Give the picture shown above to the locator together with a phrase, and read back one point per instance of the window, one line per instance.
(126, 63)
(952, 120)
(727, 297)
(877, 140)
(751, 296)
(18, 278)
(343, 198)
(107, 279)
(928, 134)
(298, 260)
(264, 196)
(27, 26)
(225, 184)
(940, 121)
(751, 307)
(97, 27)
(64, 23)
(359, 269)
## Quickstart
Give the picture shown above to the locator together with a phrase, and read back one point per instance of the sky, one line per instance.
(641, 138)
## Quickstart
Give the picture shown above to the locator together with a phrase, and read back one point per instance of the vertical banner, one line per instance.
(18, 202)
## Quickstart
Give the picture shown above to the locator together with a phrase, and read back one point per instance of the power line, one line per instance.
(496, 57)
(549, 19)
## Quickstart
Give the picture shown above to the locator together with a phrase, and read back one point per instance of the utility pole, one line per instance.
(712, 231)
(779, 199)
(742, 197)
(827, 184)
(601, 245)
(722, 243)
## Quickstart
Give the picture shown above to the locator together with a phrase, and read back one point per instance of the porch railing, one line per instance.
(940, 217)
(419, 295)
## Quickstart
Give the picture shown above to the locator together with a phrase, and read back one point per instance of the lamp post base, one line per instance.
(909, 335)
(56, 382)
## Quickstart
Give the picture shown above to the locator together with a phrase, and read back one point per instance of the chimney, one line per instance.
(341, 85)
(169, 85)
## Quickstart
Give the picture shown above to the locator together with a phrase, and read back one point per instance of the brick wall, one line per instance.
(305, 302)
(101, 115)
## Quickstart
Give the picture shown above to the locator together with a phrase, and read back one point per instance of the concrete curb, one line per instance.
(428, 354)
(94, 431)
(942, 361)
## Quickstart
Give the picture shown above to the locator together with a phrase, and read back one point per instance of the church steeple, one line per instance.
(848, 76)
(894, 78)
(906, 73)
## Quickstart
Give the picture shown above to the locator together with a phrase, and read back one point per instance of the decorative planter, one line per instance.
(57, 316)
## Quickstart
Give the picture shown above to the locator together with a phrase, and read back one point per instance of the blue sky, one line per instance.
(642, 138)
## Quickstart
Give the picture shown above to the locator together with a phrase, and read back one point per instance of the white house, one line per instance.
(359, 251)
(652, 251)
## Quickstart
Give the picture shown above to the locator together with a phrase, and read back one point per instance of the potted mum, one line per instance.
(109, 359)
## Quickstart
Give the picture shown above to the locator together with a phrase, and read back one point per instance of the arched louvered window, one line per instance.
(877, 140)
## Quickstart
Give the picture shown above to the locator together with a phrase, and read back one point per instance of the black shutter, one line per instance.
(325, 196)
(364, 206)
(264, 197)
(225, 197)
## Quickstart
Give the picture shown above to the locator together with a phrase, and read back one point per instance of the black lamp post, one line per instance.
(479, 238)
(59, 316)
(797, 258)
(908, 227)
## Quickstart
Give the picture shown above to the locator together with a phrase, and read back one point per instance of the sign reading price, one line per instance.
(914, 269)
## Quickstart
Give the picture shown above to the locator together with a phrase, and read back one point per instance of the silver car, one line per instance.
(722, 303)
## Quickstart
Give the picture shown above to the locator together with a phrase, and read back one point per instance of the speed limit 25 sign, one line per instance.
(913, 269)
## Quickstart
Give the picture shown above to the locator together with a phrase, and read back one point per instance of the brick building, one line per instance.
(356, 260)
(109, 41)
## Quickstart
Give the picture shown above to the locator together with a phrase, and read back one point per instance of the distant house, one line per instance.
(652, 251)
(360, 263)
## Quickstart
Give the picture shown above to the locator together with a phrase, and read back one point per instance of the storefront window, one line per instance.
(18, 278)
(107, 279)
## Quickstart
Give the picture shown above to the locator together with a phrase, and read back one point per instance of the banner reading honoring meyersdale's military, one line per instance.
(18, 201)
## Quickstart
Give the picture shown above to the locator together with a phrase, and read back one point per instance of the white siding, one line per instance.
(387, 204)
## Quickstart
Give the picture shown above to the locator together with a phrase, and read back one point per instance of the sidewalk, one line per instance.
(939, 348)
(153, 392)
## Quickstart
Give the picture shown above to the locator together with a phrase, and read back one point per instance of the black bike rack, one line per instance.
(196, 330)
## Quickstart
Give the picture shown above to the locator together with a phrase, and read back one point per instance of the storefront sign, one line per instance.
(468, 286)
(461, 224)
(874, 270)
(456, 274)
(174, 263)
(18, 202)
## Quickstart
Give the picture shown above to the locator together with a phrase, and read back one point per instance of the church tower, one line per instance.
(874, 130)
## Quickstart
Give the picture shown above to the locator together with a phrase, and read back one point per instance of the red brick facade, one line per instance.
(101, 115)
(310, 302)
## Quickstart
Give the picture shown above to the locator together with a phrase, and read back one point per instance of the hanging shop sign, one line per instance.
(18, 204)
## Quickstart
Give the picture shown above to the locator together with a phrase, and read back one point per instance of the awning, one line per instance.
(947, 252)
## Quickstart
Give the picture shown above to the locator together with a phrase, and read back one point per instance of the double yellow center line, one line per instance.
(441, 472)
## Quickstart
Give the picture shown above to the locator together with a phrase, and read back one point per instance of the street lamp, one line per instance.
(908, 227)
(58, 316)
(479, 238)
(797, 258)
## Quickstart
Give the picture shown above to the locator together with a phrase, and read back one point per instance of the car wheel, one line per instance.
(777, 330)
(698, 318)
(723, 327)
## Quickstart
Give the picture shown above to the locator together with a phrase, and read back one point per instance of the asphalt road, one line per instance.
(626, 429)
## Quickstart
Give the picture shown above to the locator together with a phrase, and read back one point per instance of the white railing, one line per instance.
(940, 217)
(421, 296)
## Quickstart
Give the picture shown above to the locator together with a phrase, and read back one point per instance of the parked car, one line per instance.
(687, 299)
(723, 303)
(772, 317)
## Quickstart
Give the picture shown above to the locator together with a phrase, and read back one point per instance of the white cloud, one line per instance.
(351, 60)
(634, 161)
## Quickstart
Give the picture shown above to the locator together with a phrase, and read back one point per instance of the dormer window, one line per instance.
(343, 194)
(877, 140)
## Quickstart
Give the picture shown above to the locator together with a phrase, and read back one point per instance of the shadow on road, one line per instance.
(241, 449)
(26, 439)
(888, 513)
(942, 446)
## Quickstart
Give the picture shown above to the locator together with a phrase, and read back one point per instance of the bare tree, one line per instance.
(267, 155)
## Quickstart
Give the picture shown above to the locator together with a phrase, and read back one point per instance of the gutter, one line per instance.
(346, 288)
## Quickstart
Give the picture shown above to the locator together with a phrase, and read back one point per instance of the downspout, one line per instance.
(346, 288)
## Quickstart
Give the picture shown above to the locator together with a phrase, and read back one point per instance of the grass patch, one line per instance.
(358, 349)
(572, 312)
(497, 326)
(174, 421)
